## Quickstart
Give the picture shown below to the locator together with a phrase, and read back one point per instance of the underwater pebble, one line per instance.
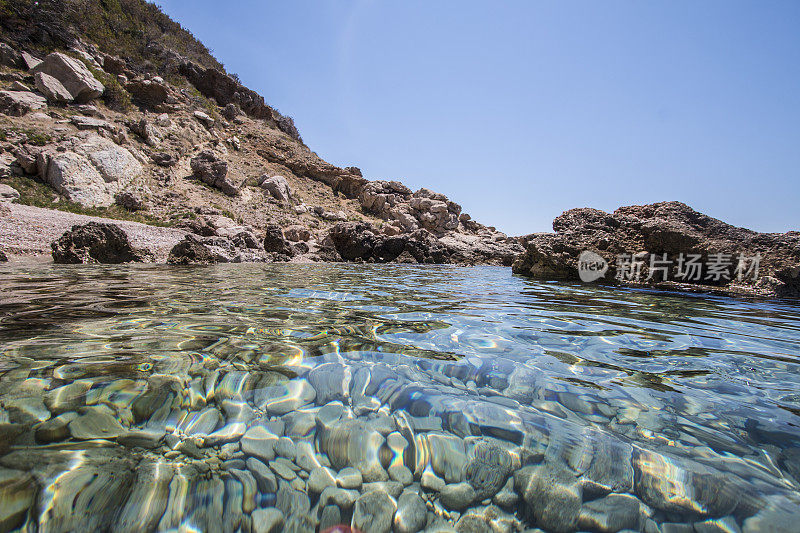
(552, 494)
(349, 478)
(320, 479)
(259, 442)
(95, 423)
(55, 429)
(411, 515)
(269, 520)
(373, 512)
(457, 496)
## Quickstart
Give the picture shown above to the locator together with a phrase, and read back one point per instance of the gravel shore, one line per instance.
(29, 230)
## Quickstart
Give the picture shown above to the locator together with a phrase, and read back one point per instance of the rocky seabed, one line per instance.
(262, 443)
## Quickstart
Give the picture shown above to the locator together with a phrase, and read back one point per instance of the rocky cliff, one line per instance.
(112, 109)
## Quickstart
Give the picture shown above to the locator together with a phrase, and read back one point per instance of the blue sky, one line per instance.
(519, 110)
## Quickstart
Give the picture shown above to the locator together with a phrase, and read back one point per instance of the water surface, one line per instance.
(233, 397)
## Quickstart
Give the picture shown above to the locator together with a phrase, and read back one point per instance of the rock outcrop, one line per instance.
(96, 242)
(73, 75)
(191, 251)
(702, 253)
(8, 193)
(278, 187)
(88, 169)
(19, 103)
(214, 171)
(360, 241)
(52, 89)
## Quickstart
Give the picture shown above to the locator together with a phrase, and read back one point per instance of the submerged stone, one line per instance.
(95, 423)
(259, 442)
(613, 513)
(411, 515)
(17, 492)
(552, 495)
(488, 470)
(373, 512)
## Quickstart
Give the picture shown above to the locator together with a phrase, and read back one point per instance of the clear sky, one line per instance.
(519, 110)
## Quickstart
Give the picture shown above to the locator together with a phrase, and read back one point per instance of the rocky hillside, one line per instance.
(110, 108)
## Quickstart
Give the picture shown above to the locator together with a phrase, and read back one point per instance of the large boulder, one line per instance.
(274, 240)
(96, 242)
(19, 103)
(278, 187)
(90, 171)
(214, 171)
(148, 93)
(8, 193)
(73, 75)
(52, 89)
(191, 251)
(29, 62)
(633, 241)
(360, 241)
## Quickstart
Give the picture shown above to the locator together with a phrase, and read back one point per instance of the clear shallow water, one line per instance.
(234, 397)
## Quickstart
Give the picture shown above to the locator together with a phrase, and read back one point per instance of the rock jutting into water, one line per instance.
(647, 232)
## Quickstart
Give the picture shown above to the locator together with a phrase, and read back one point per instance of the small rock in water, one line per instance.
(726, 524)
(402, 474)
(17, 491)
(352, 443)
(341, 498)
(55, 429)
(393, 488)
(691, 489)
(26, 410)
(282, 399)
(250, 489)
(320, 479)
(457, 496)
(267, 520)
(238, 411)
(373, 512)
(552, 494)
(286, 448)
(610, 469)
(148, 499)
(614, 513)
(281, 469)
(349, 478)
(228, 433)
(142, 438)
(329, 517)
(265, 479)
(411, 515)
(259, 442)
(95, 423)
(448, 456)
(69, 397)
(506, 498)
(292, 501)
(331, 381)
(431, 481)
(489, 469)
(201, 423)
